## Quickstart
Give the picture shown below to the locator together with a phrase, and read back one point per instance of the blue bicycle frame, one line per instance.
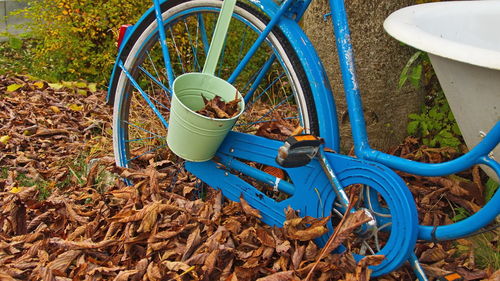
(285, 17)
(478, 155)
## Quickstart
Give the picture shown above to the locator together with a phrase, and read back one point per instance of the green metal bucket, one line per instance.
(190, 135)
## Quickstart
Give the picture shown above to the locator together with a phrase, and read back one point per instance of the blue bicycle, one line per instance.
(270, 60)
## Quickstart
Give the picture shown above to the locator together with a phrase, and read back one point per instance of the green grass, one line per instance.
(487, 251)
(79, 169)
(41, 185)
(4, 172)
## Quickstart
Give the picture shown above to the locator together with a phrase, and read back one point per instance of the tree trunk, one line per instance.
(379, 62)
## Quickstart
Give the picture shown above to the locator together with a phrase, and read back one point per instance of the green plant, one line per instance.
(412, 71)
(76, 39)
(436, 124)
(16, 55)
(460, 214)
(491, 187)
(485, 250)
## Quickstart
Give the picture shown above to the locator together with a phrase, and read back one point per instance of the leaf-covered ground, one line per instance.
(66, 215)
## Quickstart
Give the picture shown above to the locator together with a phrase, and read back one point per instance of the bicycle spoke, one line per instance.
(204, 37)
(259, 77)
(264, 91)
(141, 139)
(240, 54)
(154, 99)
(142, 129)
(144, 95)
(365, 246)
(370, 206)
(163, 87)
(154, 67)
(176, 50)
(147, 152)
(377, 243)
(196, 65)
(221, 58)
(275, 107)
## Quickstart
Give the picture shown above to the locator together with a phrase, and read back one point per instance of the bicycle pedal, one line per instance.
(451, 277)
(298, 151)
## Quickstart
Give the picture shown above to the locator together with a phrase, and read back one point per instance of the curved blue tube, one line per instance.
(467, 160)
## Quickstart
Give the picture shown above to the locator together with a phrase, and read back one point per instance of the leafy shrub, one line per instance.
(435, 125)
(77, 38)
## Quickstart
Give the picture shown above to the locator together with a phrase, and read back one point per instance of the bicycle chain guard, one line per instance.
(311, 193)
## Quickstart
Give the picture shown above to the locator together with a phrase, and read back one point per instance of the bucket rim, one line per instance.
(241, 103)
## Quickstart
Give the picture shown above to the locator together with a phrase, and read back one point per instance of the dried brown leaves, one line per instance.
(217, 108)
(148, 231)
(438, 200)
(43, 129)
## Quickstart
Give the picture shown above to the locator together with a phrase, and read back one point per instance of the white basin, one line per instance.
(462, 39)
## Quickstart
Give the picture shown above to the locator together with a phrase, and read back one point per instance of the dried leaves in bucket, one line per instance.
(217, 108)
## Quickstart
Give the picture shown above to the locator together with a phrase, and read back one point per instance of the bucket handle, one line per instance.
(219, 36)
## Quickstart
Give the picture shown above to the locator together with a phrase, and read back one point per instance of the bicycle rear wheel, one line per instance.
(282, 94)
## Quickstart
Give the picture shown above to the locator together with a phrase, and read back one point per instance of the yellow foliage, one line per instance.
(84, 28)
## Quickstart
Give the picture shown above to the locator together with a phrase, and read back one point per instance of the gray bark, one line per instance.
(379, 62)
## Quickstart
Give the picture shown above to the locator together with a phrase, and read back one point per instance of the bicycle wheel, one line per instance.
(273, 83)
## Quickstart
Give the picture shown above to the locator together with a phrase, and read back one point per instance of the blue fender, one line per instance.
(320, 86)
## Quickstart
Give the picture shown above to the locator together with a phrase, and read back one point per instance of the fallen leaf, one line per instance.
(494, 277)
(265, 238)
(125, 274)
(176, 265)
(352, 222)
(279, 276)
(4, 139)
(297, 256)
(56, 86)
(55, 109)
(305, 229)
(192, 242)
(14, 87)
(433, 255)
(362, 271)
(247, 209)
(63, 261)
(75, 107)
(217, 108)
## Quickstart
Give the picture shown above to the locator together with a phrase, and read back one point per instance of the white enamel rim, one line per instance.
(406, 26)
